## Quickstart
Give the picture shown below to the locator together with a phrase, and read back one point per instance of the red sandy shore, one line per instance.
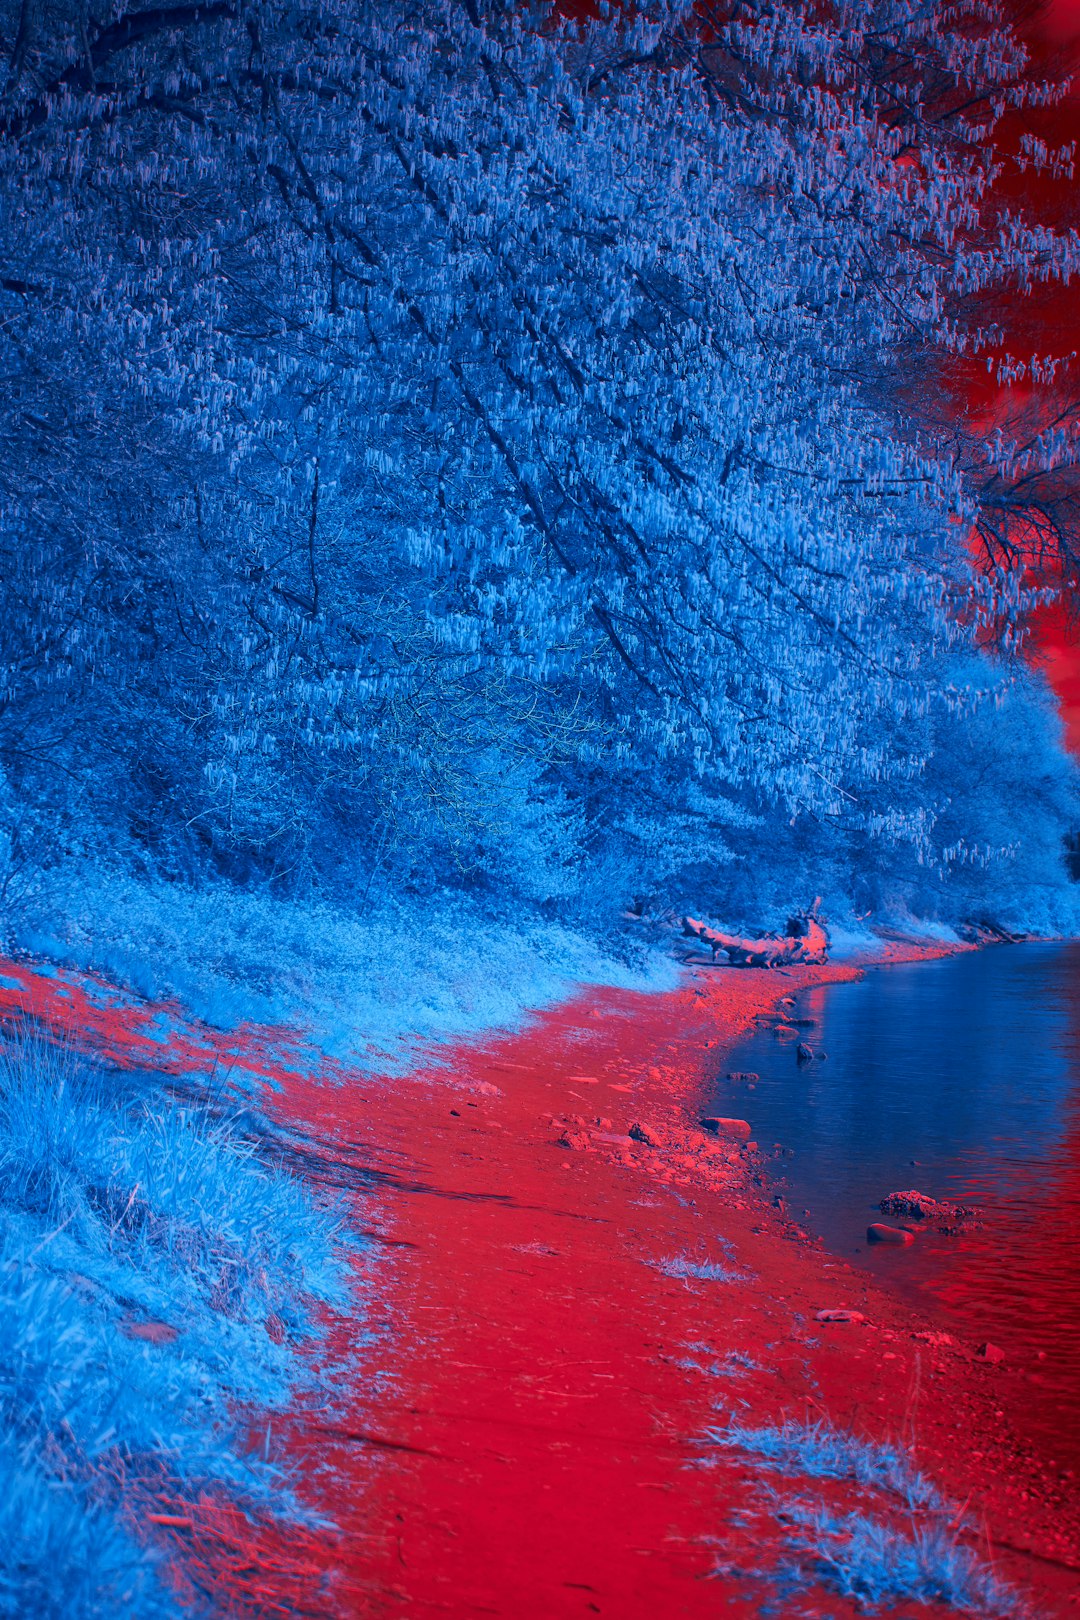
(518, 1401)
(520, 1437)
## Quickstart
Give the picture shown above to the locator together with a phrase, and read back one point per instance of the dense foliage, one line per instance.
(156, 1280)
(443, 443)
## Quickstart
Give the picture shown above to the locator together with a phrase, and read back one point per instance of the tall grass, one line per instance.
(819, 1451)
(155, 1280)
(878, 1564)
(901, 1546)
(371, 984)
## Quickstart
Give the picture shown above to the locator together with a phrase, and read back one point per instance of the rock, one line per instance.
(991, 1353)
(747, 1076)
(878, 1232)
(720, 1126)
(575, 1139)
(839, 1313)
(919, 1206)
(804, 1053)
(647, 1134)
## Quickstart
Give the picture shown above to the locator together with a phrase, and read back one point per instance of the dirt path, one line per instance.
(521, 1435)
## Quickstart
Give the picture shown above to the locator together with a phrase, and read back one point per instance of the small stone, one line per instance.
(878, 1232)
(991, 1353)
(576, 1140)
(804, 1053)
(647, 1134)
(921, 1206)
(721, 1126)
(839, 1313)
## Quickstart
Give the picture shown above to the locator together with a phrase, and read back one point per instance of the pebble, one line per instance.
(878, 1232)
(721, 1126)
(647, 1134)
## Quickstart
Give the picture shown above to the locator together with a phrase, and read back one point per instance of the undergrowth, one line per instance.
(702, 1270)
(902, 1546)
(156, 1278)
(876, 1563)
(818, 1451)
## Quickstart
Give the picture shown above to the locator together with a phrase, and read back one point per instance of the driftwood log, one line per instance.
(805, 939)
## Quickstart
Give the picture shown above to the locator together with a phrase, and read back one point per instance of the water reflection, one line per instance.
(960, 1078)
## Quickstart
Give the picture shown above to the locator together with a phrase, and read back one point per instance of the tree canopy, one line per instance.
(443, 437)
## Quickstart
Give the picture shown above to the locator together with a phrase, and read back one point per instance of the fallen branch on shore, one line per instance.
(805, 939)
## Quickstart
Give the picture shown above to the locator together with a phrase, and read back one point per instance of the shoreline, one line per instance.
(539, 1351)
(552, 1314)
(1000, 1471)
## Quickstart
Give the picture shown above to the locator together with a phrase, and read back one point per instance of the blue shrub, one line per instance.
(865, 1559)
(702, 1270)
(819, 1451)
(122, 1211)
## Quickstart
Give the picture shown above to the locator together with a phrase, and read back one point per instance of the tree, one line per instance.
(415, 399)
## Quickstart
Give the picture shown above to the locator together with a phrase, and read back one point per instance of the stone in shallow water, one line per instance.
(878, 1232)
(720, 1126)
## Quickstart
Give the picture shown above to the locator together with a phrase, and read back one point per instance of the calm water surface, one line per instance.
(970, 1067)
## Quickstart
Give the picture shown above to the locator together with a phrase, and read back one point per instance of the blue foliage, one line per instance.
(155, 1278)
(819, 1451)
(909, 1551)
(702, 1270)
(877, 1564)
(543, 503)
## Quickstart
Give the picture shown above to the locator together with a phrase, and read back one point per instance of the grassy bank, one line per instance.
(157, 1276)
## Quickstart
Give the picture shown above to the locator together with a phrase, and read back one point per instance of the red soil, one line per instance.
(518, 1400)
(520, 1436)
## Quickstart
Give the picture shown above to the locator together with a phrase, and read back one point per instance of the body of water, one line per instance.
(959, 1078)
